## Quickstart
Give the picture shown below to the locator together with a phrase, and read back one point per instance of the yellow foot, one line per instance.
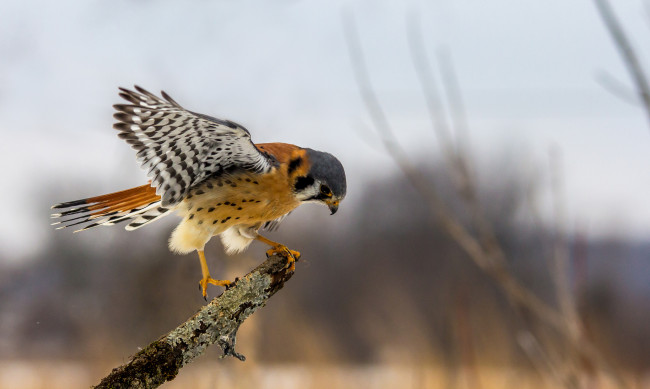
(209, 280)
(283, 250)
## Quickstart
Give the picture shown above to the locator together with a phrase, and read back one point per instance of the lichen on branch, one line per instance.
(217, 322)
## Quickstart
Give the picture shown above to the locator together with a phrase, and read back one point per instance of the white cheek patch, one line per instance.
(309, 192)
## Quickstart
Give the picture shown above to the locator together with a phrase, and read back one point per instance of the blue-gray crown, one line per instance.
(329, 170)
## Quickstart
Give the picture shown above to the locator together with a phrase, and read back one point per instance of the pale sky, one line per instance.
(527, 70)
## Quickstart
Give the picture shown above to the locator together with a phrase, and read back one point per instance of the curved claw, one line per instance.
(283, 250)
(203, 284)
(278, 248)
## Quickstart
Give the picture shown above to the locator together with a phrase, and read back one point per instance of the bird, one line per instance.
(208, 172)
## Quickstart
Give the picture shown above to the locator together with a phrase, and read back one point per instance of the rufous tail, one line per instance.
(140, 205)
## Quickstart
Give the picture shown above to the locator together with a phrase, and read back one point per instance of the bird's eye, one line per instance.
(325, 190)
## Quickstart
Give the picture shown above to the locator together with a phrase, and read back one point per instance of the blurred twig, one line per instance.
(457, 111)
(560, 250)
(486, 253)
(617, 88)
(217, 322)
(427, 190)
(540, 359)
(489, 263)
(456, 156)
(560, 274)
(428, 81)
(436, 110)
(626, 51)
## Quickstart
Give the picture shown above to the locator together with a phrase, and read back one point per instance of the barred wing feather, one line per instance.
(180, 149)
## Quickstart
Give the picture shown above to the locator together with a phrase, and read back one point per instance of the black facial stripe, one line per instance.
(294, 164)
(303, 182)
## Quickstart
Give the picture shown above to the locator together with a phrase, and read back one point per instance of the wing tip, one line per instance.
(169, 99)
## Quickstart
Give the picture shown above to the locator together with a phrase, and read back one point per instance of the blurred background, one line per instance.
(515, 123)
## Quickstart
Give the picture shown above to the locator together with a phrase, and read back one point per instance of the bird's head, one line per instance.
(322, 182)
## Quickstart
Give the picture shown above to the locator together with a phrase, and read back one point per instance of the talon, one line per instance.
(231, 284)
(283, 250)
(203, 284)
(291, 265)
(291, 255)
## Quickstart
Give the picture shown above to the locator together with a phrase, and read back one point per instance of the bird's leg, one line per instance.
(206, 276)
(279, 248)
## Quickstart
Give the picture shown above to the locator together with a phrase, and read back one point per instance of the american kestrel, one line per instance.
(211, 174)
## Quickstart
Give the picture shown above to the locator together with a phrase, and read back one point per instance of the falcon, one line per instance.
(210, 173)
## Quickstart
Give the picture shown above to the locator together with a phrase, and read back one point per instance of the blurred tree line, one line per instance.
(380, 283)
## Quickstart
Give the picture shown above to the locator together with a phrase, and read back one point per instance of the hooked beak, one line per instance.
(333, 206)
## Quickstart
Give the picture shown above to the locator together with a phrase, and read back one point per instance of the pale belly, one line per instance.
(242, 200)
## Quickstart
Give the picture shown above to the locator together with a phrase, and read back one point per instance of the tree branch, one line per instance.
(627, 52)
(485, 250)
(217, 322)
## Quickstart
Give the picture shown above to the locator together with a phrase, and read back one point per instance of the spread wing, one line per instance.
(180, 149)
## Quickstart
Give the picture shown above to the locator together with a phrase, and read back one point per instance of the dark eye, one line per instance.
(325, 190)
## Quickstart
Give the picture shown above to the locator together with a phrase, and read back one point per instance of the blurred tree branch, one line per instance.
(488, 260)
(483, 249)
(217, 322)
(626, 51)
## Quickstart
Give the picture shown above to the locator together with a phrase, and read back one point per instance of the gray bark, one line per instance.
(217, 322)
